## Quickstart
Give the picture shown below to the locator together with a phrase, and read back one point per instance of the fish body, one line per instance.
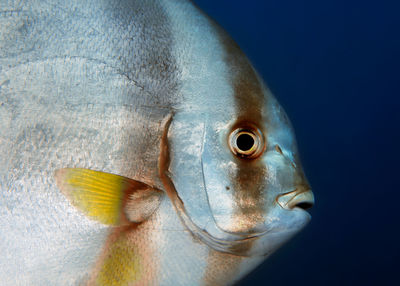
(138, 146)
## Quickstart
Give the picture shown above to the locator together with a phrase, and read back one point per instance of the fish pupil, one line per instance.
(245, 142)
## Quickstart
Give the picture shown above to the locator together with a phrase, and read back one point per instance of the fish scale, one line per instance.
(116, 148)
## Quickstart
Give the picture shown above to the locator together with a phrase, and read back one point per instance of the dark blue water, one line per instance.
(335, 67)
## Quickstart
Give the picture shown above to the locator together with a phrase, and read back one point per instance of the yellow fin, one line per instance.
(103, 196)
(121, 266)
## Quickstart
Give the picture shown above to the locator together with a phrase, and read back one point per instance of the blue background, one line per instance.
(335, 67)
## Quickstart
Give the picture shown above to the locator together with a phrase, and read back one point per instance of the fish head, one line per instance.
(234, 159)
(253, 178)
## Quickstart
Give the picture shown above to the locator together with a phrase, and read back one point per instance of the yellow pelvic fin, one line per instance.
(106, 197)
(121, 265)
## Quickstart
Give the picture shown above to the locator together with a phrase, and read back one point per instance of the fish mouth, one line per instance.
(303, 199)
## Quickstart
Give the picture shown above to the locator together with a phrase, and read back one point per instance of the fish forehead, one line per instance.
(221, 90)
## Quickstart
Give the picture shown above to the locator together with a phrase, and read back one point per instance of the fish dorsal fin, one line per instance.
(108, 198)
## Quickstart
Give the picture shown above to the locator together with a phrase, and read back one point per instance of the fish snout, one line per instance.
(302, 198)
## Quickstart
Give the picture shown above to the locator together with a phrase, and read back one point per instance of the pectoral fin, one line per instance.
(108, 198)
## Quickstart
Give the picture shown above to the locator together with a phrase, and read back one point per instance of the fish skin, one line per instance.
(91, 84)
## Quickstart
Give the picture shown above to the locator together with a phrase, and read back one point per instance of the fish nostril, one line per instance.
(278, 149)
(304, 205)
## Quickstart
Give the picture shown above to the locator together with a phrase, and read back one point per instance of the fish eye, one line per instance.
(246, 142)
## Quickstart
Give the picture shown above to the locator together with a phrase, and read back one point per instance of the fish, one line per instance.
(138, 146)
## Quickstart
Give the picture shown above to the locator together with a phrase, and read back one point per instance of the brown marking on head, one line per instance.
(248, 186)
